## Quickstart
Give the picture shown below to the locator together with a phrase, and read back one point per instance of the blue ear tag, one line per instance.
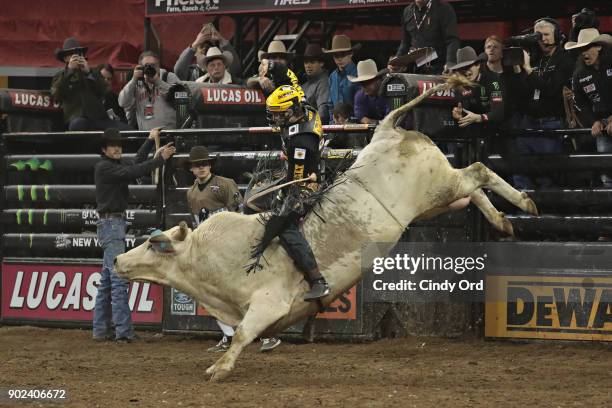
(156, 233)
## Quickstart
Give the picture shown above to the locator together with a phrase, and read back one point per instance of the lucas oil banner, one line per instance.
(55, 292)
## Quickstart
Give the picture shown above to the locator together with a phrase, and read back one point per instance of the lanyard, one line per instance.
(420, 23)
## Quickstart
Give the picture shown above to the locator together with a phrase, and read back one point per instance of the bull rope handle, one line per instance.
(311, 178)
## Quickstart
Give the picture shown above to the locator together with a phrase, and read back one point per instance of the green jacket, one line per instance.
(80, 94)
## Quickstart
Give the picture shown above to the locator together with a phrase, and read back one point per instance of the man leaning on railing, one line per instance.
(592, 87)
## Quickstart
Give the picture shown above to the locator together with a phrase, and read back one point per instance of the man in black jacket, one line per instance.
(112, 176)
(592, 87)
(430, 23)
(546, 71)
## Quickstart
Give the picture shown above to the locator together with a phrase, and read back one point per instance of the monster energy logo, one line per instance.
(19, 213)
(34, 164)
(33, 192)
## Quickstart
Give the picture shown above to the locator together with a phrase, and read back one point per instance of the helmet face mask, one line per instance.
(282, 105)
(281, 118)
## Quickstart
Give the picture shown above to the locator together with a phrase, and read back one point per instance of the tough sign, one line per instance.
(564, 308)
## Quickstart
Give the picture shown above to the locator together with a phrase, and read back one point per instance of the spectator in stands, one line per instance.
(592, 87)
(111, 99)
(343, 115)
(341, 90)
(145, 94)
(483, 104)
(206, 38)
(112, 177)
(370, 107)
(547, 69)
(216, 63)
(80, 91)
(586, 18)
(316, 87)
(430, 23)
(278, 55)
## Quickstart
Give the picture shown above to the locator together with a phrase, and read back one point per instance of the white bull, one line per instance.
(399, 177)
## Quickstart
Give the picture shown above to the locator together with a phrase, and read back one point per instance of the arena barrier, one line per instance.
(48, 184)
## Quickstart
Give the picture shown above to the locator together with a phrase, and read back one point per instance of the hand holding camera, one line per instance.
(78, 62)
(204, 36)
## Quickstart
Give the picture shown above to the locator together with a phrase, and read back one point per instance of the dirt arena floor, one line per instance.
(168, 371)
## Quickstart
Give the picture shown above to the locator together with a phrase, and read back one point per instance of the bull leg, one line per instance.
(478, 175)
(263, 312)
(496, 218)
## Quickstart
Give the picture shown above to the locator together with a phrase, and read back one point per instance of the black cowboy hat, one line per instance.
(71, 46)
(313, 52)
(111, 137)
(199, 154)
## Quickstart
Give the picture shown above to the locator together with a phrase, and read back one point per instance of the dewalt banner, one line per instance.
(549, 307)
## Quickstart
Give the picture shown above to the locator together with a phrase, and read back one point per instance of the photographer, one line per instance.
(80, 91)
(145, 94)
(207, 37)
(547, 69)
(592, 87)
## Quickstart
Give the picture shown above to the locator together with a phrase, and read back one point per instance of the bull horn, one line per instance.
(182, 232)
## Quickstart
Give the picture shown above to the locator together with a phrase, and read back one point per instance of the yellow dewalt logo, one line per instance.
(567, 308)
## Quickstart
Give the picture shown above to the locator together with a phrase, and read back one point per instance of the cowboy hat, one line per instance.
(71, 46)
(199, 154)
(341, 43)
(366, 70)
(313, 52)
(411, 57)
(466, 56)
(215, 53)
(111, 137)
(589, 36)
(276, 48)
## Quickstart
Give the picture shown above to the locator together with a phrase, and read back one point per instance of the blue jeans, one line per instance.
(112, 297)
(526, 145)
(604, 145)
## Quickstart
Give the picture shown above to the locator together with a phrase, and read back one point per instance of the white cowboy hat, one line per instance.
(366, 70)
(589, 36)
(278, 48)
(214, 52)
(341, 43)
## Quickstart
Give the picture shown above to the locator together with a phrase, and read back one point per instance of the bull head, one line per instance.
(154, 260)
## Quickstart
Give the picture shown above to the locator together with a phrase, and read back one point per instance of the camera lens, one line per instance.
(149, 70)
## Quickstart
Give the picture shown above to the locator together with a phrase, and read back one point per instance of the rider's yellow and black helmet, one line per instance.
(282, 104)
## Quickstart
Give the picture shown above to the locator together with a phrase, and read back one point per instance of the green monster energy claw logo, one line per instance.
(20, 193)
(34, 164)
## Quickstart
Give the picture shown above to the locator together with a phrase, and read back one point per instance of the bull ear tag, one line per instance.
(160, 242)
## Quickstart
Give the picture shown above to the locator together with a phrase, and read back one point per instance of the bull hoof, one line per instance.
(507, 226)
(530, 207)
(220, 374)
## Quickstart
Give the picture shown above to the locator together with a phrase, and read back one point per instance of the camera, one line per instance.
(526, 39)
(513, 56)
(149, 70)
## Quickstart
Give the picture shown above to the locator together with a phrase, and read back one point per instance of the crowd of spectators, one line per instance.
(542, 80)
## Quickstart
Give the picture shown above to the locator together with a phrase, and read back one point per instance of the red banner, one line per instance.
(38, 100)
(68, 293)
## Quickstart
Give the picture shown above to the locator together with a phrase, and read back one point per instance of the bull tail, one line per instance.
(451, 81)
